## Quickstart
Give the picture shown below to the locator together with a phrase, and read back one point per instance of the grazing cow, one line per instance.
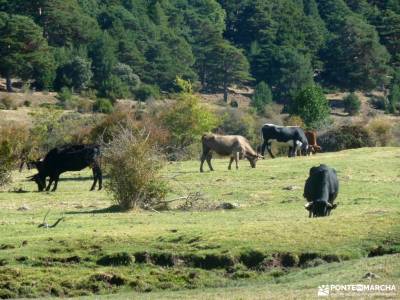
(294, 136)
(313, 147)
(235, 146)
(68, 158)
(321, 190)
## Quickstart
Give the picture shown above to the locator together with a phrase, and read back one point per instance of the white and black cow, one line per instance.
(321, 190)
(294, 136)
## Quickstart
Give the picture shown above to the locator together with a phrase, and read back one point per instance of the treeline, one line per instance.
(136, 48)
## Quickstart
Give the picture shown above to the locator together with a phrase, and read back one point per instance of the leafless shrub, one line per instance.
(133, 165)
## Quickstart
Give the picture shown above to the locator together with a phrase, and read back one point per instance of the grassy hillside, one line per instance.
(268, 243)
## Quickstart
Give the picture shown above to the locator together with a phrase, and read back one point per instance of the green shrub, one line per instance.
(146, 92)
(103, 106)
(346, 137)
(187, 120)
(312, 106)
(133, 165)
(64, 95)
(352, 104)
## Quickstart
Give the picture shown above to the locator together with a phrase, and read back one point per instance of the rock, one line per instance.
(23, 208)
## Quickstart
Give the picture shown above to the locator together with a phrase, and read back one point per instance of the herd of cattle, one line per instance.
(320, 190)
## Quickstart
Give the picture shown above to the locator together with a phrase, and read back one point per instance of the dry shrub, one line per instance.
(106, 128)
(345, 137)
(381, 131)
(7, 103)
(133, 165)
(6, 160)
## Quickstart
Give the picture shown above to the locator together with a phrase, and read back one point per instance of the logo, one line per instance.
(323, 291)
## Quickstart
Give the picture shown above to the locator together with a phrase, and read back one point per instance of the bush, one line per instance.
(345, 137)
(27, 103)
(6, 160)
(187, 120)
(146, 92)
(133, 165)
(381, 131)
(238, 122)
(103, 106)
(352, 104)
(7, 102)
(64, 95)
(312, 106)
(379, 102)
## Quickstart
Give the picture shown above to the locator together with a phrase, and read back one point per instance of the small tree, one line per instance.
(352, 104)
(262, 96)
(187, 120)
(312, 106)
(133, 165)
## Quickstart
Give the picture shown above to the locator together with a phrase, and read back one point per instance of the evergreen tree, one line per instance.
(23, 50)
(354, 58)
(262, 96)
(228, 66)
(312, 106)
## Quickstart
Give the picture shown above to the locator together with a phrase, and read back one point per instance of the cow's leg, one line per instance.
(237, 156)
(55, 183)
(208, 158)
(206, 155)
(97, 176)
(50, 183)
(230, 162)
(290, 151)
(269, 144)
(263, 147)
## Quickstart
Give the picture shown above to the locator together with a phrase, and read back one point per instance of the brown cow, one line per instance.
(313, 147)
(235, 146)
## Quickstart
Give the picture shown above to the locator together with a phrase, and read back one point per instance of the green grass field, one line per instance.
(268, 247)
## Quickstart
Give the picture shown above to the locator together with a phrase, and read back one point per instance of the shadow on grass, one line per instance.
(107, 210)
(83, 178)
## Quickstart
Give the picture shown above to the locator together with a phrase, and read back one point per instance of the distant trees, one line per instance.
(23, 50)
(288, 44)
(354, 57)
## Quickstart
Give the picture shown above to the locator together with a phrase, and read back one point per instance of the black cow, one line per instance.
(68, 158)
(321, 190)
(294, 136)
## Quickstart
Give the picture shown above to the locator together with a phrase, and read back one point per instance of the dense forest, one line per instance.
(137, 48)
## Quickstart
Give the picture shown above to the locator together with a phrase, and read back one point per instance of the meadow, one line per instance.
(265, 247)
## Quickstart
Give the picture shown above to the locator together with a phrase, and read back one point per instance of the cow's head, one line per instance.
(40, 181)
(319, 208)
(253, 159)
